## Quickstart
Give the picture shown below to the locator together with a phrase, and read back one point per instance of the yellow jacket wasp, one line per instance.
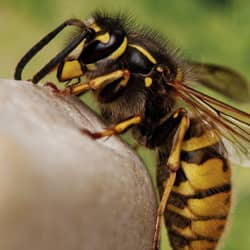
(139, 83)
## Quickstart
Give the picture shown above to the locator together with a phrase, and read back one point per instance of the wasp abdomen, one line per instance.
(199, 202)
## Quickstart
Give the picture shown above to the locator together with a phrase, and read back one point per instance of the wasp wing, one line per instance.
(224, 80)
(231, 124)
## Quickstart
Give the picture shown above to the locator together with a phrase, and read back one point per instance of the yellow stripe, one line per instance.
(215, 205)
(160, 69)
(119, 51)
(148, 81)
(186, 232)
(209, 138)
(95, 27)
(208, 228)
(184, 188)
(71, 69)
(184, 212)
(202, 244)
(104, 38)
(210, 174)
(144, 52)
(103, 80)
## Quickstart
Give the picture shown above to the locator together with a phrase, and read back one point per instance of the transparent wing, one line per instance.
(224, 80)
(231, 124)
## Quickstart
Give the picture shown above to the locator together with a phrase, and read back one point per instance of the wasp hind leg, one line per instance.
(178, 123)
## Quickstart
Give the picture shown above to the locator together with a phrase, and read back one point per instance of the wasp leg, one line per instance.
(117, 129)
(72, 90)
(93, 84)
(104, 80)
(172, 164)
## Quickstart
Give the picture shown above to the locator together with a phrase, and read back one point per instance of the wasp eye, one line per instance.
(102, 44)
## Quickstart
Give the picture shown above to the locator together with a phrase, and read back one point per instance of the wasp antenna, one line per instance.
(75, 22)
(60, 56)
(43, 42)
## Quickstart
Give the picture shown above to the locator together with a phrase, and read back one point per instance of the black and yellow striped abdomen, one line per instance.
(199, 203)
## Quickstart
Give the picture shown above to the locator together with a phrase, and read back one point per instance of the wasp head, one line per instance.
(106, 43)
(101, 39)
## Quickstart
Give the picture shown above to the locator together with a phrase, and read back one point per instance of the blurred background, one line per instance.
(215, 31)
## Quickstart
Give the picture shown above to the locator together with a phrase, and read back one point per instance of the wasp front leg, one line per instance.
(178, 123)
(94, 84)
(72, 90)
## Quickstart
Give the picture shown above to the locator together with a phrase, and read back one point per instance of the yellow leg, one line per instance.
(72, 90)
(172, 164)
(93, 84)
(161, 209)
(117, 129)
(102, 81)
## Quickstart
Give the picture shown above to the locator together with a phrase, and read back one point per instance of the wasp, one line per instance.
(141, 84)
